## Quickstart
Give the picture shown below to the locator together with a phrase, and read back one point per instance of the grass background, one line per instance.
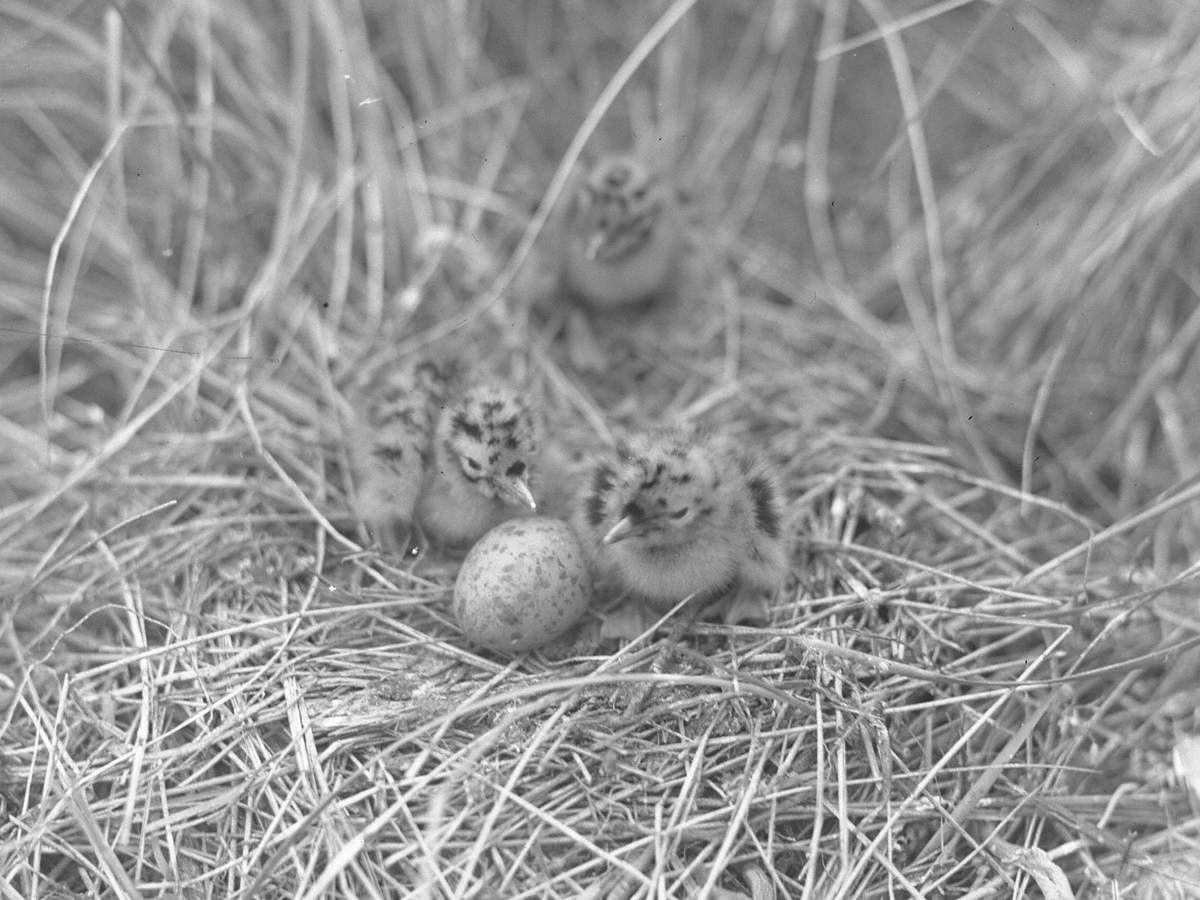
(947, 281)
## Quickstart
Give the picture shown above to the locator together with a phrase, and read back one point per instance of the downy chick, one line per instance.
(624, 235)
(676, 514)
(624, 242)
(485, 453)
(438, 460)
(389, 444)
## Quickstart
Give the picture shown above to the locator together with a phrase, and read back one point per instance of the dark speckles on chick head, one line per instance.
(466, 425)
(602, 479)
(652, 477)
(593, 509)
(766, 508)
(617, 208)
(634, 512)
(491, 433)
(598, 494)
(654, 487)
(677, 451)
(392, 454)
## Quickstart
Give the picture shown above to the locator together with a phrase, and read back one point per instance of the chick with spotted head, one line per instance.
(624, 235)
(678, 514)
(436, 457)
(485, 454)
(624, 242)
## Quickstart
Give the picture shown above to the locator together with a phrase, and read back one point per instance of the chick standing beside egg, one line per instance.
(485, 453)
(434, 451)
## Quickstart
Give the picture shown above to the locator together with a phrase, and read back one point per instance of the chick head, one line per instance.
(616, 209)
(491, 435)
(663, 490)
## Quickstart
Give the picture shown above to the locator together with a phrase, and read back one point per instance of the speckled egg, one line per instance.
(523, 584)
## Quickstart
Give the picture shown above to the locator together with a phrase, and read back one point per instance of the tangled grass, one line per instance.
(947, 281)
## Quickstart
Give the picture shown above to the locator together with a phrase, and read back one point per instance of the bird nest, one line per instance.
(978, 678)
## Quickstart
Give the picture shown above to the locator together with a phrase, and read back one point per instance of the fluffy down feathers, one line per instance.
(676, 513)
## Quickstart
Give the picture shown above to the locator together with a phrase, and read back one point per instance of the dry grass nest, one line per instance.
(945, 277)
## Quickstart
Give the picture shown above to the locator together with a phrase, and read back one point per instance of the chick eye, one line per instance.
(679, 513)
(471, 464)
(516, 470)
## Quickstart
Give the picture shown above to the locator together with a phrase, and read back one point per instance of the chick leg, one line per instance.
(744, 604)
(627, 622)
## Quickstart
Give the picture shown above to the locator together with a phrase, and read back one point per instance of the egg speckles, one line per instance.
(523, 584)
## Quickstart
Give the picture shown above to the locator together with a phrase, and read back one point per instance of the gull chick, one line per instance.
(624, 240)
(624, 235)
(485, 453)
(677, 513)
(433, 458)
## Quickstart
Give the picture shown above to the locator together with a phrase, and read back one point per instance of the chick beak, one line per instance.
(623, 529)
(595, 242)
(517, 492)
